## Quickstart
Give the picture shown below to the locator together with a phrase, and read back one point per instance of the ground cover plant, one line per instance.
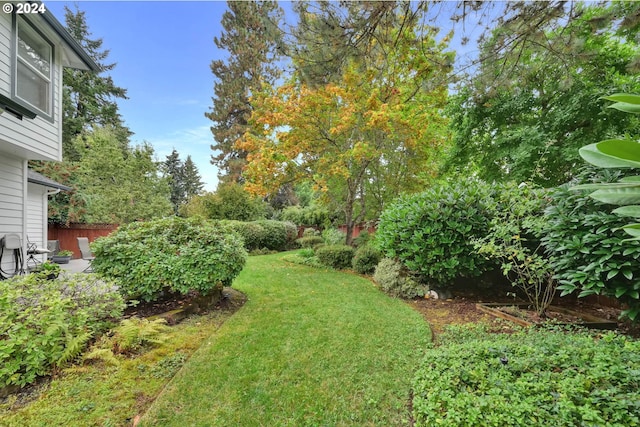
(103, 391)
(174, 254)
(45, 324)
(305, 256)
(541, 377)
(310, 347)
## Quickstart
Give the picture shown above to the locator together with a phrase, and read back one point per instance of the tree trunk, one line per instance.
(348, 216)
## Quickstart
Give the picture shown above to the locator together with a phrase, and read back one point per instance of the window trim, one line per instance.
(19, 20)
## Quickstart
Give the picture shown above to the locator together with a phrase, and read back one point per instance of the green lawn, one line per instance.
(310, 348)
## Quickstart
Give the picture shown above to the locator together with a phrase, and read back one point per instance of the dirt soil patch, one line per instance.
(462, 309)
(440, 313)
(231, 300)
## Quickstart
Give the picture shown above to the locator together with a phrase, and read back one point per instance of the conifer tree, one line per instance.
(173, 169)
(251, 37)
(193, 184)
(89, 98)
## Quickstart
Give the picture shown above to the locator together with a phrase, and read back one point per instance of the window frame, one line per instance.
(18, 22)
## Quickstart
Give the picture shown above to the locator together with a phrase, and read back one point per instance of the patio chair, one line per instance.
(85, 251)
(33, 251)
(54, 247)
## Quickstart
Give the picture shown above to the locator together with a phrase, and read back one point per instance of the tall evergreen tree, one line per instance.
(89, 99)
(193, 184)
(173, 169)
(252, 38)
(183, 177)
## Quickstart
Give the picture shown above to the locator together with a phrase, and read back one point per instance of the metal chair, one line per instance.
(85, 251)
(32, 251)
(54, 247)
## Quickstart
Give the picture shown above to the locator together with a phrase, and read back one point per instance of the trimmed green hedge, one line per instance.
(309, 241)
(335, 256)
(264, 234)
(150, 259)
(366, 259)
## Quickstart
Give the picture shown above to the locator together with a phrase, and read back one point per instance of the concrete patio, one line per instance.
(75, 266)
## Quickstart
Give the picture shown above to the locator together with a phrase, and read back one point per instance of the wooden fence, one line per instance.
(68, 235)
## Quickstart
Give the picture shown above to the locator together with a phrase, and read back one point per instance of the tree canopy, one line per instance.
(525, 117)
(342, 134)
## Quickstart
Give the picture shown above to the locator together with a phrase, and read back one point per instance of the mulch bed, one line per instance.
(462, 309)
(231, 299)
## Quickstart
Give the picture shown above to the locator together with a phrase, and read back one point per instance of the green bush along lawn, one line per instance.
(309, 348)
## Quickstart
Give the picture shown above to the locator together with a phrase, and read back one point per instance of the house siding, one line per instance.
(36, 214)
(12, 193)
(5, 55)
(33, 139)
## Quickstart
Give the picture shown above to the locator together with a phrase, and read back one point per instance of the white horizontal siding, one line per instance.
(40, 138)
(12, 189)
(36, 219)
(5, 53)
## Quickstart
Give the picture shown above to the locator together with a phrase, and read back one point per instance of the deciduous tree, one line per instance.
(528, 124)
(383, 112)
(118, 187)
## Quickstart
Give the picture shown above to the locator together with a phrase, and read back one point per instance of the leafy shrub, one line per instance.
(309, 232)
(431, 233)
(251, 232)
(514, 241)
(335, 256)
(313, 216)
(169, 255)
(366, 259)
(333, 236)
(278, 235)
(588, 252)
(264, 234)
(533, 377)
(46, 323)
(396, 280)
(310, 241)
(230, 201)
(363, 238)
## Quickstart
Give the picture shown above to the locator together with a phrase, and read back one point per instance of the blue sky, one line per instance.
(163, 50)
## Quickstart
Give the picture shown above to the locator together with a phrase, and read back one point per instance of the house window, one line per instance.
(33, 68)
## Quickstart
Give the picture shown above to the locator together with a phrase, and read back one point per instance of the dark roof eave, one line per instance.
(37, 178)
